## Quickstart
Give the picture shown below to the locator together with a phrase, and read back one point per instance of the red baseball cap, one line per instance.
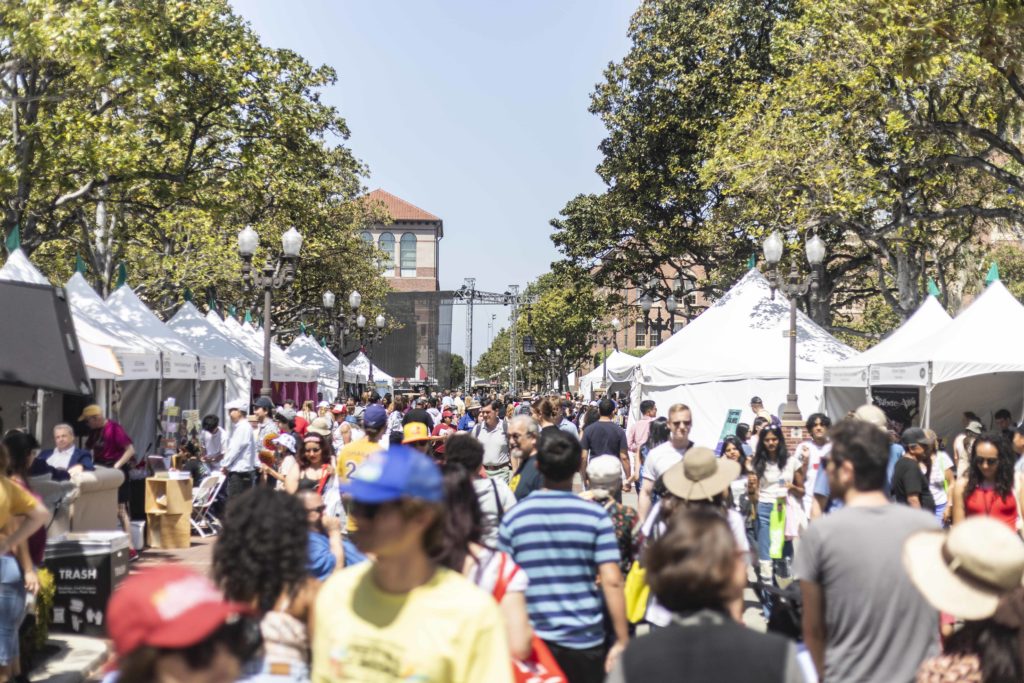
(166, 607)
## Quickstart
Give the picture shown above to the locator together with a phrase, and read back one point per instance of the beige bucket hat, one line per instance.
(701, 475)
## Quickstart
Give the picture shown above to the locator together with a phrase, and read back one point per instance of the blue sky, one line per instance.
(474, 110)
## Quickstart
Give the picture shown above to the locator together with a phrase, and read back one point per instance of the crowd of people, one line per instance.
(454, 538)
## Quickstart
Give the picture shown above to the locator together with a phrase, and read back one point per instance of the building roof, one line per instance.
(400, 209)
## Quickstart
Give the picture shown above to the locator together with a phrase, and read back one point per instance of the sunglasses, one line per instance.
(313, 449)
(680, 423)
(986, 461)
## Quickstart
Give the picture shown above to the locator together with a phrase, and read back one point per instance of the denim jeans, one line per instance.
(780, 566)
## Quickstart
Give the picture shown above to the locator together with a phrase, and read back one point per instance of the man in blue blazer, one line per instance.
(65, 460)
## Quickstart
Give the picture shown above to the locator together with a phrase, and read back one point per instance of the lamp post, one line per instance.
(529, 370)
(604, 345)
(342, 324)
(681, 291)
(793, 286)
(273, 276)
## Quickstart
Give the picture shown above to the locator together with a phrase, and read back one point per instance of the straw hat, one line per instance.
(701, 475)
(966, 571)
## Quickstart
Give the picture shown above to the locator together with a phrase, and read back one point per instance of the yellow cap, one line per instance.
(415, 431)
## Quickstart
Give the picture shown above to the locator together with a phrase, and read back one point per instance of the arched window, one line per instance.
(386, 243)
(407, 255)
(366, 237)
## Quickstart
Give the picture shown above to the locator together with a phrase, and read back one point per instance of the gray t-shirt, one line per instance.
(879, 628)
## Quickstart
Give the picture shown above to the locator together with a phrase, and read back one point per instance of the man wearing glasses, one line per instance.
(659, 460)
(523, 432)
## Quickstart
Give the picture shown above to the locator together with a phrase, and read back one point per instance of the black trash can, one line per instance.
(86, 567)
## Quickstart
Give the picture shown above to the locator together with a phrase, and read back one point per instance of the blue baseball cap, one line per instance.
(375, 416)
(399, 472)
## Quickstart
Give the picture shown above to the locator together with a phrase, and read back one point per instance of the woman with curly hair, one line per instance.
(261, 560)
(314, 458)
(988, 487)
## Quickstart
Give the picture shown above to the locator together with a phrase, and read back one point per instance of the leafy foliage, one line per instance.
(150, 132)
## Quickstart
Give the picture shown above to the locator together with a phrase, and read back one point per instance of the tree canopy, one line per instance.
(149, 133)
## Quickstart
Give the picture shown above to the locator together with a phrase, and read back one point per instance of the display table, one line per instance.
(168, 509)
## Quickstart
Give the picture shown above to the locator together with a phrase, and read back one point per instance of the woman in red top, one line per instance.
(988, 489)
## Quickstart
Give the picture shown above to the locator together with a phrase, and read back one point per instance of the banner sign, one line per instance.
(900, 404)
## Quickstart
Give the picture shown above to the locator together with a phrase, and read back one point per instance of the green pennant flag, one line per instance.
(80, 266)
(933, 289)
(323, 342)
(13, 239)
(211, 303)
(752, 262)
(188, 295)
(122, 275)
(233, 311)
(302, 328)
(993, 274)
(248, 316)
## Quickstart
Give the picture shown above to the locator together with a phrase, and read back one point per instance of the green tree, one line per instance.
(493, 363)
(456, 371)
(661, 105)
(150, 132)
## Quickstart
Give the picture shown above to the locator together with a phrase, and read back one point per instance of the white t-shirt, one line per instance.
(213, 442)
(770, 488)
(661, 458)
(486, 489)
(486, 574)
(940, 464)
(59, 460)
(286, 466)
(812, 456)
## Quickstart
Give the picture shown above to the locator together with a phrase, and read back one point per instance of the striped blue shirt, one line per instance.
(559, 540)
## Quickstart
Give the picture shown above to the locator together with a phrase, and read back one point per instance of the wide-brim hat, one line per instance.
(966, 571)
(319, 426)
(472, 405)
(701, 475)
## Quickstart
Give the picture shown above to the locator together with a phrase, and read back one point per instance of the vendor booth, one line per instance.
(375, 378)
(972, 363)
(882, 374)
(736, 349)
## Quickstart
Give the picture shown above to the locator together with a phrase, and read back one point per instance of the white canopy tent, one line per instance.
(307, 352)
(190, 324)
(361, 365)
(736, 349)
(972, 363)
(848, 383)
(620, 374)
(282, 368)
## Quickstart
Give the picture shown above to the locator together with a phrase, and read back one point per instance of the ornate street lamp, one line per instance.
(604, 345)
(792, 287)
(274, 275)
(342, 324)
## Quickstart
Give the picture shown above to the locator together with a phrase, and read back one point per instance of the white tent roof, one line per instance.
(182, 360)
(139, 356)
(982, 339)
(903, 345)
(361, 366)
(620, 369)
(744, 335)
(189, 323)
(282, 368)
(307, 352)
(307, 374)
(97, 346)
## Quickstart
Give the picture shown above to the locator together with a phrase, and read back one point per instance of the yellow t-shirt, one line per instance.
(14, 500)
(446, 631)
(351, 457)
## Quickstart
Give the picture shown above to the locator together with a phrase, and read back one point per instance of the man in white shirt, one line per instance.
(492, 432)
(810, 453)
(660, 459)
(239, 461)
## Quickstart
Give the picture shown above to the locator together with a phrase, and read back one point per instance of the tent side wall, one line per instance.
(710, 402)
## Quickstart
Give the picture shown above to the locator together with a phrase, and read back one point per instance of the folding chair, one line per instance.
(203, 520)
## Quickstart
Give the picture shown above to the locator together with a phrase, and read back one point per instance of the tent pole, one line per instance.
(928, 399)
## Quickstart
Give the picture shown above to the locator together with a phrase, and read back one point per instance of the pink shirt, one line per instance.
(638, 433)
(108, 443)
